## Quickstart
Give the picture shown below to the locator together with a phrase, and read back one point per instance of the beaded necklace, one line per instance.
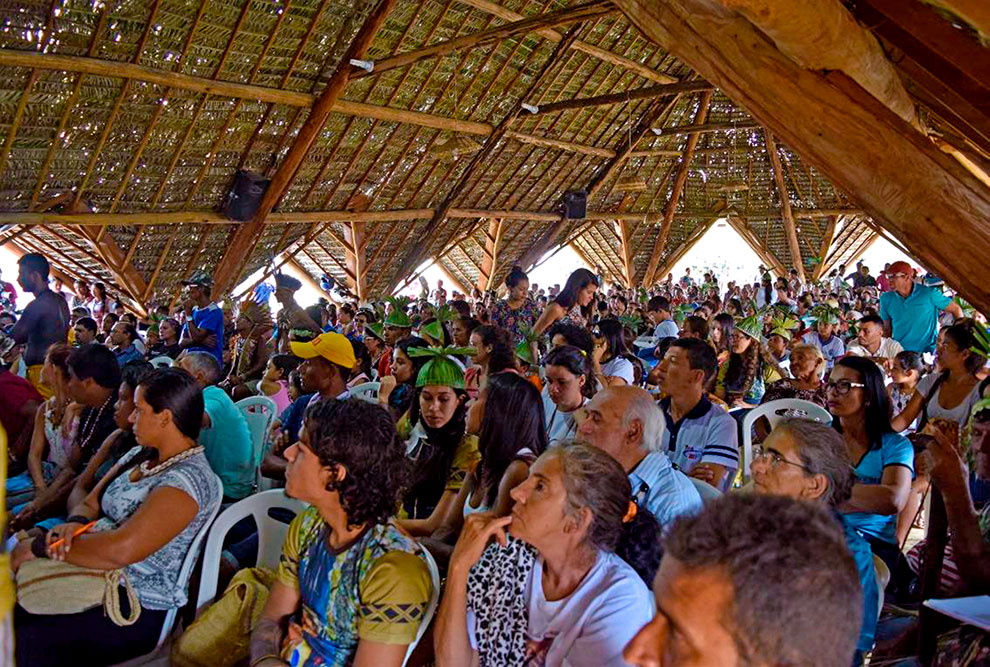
(92, 421)
(148, 471)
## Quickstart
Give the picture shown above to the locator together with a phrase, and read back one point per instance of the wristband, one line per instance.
(78, 518)
(39, 546)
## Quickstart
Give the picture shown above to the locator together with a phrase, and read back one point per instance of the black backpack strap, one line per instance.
(942, 377)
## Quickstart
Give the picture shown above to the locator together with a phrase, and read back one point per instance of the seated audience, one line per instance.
(85, 331)
(275, 383)
(20, 403)
(824, 338)
(807, 370)
(658, 311)
(883, 461)
(626, 423)
(493, 353)
(609, 362)
(905, 374)
(805, 460)
(740, 381)
(870, 342)
(252, 349)
(701, 438)
(573, 556)
(361, 585)
(225, 435)
(569, 385)
(753, 580)
(565, 333)
(397, 389)
(148, 511)
(122, 339)
(168, 340)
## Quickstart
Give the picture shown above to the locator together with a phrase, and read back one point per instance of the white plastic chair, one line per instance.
(271, 535)
(775, 412)
(162, 362)
(366, 391)
(431, 608)
(259, 413)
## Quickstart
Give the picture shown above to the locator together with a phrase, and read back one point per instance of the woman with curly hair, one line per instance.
(360, 584)
(740, 380)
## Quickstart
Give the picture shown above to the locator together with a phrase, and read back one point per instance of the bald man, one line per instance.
(626, 423)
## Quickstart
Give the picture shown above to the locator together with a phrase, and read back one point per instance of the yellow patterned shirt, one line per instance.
(376, 589)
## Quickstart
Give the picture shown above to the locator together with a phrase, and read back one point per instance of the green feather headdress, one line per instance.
(434, 330)
(375, 330)
(633, 322)
(399, 317)
(524, 350)
(752, 326)
(682, 311)
(982, 346)
(441, 370)
(826, 314)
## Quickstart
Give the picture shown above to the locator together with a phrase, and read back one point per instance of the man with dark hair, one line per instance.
(701, 438)
(753, 580)
(695, 327)
(7, 322)
(94, 378)
(870, 342)
(85, 331)
(44, 321)
(292, 315)
(8, 296)
(658, 310)
(225, 435)
(122, 338)
(910, 311)
(806, 460)
(203, 330)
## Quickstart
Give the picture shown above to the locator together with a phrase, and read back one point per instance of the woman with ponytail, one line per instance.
(518, 312)
(564, 581)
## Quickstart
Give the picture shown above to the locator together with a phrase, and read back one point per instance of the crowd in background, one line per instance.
(571, 457)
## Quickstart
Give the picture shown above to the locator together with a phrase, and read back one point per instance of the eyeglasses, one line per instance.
(776, 458)
(897, 275)
(843, 387)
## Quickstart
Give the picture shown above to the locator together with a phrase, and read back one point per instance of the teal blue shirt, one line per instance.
(914, 319)
(895, 450)
(228, 444)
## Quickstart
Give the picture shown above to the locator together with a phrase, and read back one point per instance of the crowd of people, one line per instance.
(570, 458)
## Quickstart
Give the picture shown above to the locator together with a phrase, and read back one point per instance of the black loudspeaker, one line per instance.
(245, 195)
(575, 204)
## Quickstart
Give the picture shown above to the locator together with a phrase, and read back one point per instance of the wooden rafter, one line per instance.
(790, 229)
(830, 224)
(356, 257)
(624, 97)
(704, 128)
(584, 12)
(242, 245)
(593, 51)
(920, 194)
(490, 250)
(699, 231)
(675, 194)
(766, 255)
(428, 235)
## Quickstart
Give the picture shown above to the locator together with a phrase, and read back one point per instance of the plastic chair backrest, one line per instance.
(259, 413)
(431, 608)
(271, 535)
(775, 412)
(162, 362)
(188, 563)
(883, 578)
(366, 391)
(707, 492)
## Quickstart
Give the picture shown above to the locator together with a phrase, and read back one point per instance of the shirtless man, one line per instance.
(45, 320)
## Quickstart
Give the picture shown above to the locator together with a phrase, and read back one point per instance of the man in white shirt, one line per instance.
(870, 342)
(658, 310)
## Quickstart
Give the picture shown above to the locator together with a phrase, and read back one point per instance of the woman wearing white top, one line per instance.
(569, 385)
(568, 586)
(609, 362)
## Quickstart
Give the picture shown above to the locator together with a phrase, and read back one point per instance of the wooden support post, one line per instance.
(790, 229)
(704, 128)
(766, 255)
(910, 187)
(415, 257)
(830, 224)
(242, 245)
(675, 193)
(628, 252)
(588, 11)
(129, 278)
(692, 239)
(357, 258)
(489, 260)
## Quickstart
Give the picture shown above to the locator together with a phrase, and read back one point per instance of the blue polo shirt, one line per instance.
(666, 492)
(128, 354)
(210, 318)
(706, 433)
(895, 450)
(914, 319)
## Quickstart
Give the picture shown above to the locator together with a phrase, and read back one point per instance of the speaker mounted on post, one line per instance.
(244, 197)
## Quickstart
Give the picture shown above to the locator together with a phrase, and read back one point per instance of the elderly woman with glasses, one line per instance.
(883, 460)
(806, 460)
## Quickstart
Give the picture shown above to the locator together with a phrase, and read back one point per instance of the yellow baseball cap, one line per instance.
(331, 346)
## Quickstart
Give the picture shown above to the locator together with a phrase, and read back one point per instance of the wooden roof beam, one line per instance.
(766, 255)
(830, 224)
(692, 240)
(242, 245)
(415, 257)
(584, 12)
(703, 128)
(974, 12)
(675, 194)
(790, 229)
(495, 9)
(490, 253)
(910, 187)
(621, 98)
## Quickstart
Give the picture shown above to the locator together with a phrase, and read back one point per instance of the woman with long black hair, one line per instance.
(569, 385)
(145, 515)
(396, 391)
(882, 459)
(609, 361)
(493, 353)
(578, 292)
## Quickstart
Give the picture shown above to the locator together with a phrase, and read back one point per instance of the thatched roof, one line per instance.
(135, 115)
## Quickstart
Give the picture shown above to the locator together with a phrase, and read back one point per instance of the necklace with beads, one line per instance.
(148, 471)
(91, 423)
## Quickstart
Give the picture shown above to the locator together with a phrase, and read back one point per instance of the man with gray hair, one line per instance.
(625, 422)
(805, 460)
(225, 434)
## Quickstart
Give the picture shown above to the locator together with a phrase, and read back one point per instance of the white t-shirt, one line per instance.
(619, 367)
(592, 625)
(889, 348)
(666, 329)
(560, 425)
(958, 414)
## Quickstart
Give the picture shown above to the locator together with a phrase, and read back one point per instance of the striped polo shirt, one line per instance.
(706, 433)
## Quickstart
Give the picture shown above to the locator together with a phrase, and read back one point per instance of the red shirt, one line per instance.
(16, 391)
